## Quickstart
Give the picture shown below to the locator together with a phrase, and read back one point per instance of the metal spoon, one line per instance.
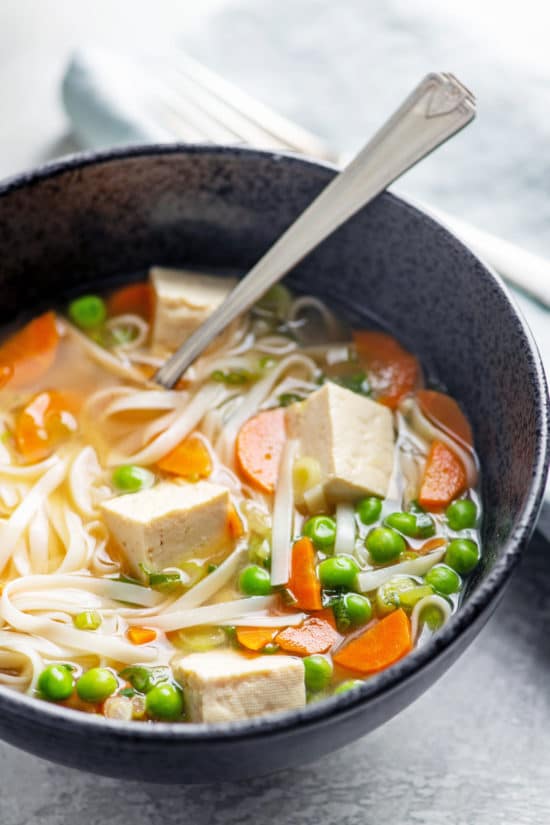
(434, 111)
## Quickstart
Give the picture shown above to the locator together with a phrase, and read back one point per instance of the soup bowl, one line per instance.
(99, 218)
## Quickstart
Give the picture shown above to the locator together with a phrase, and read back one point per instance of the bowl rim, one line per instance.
(478, 603)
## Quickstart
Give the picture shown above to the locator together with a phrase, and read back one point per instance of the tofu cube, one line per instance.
(223, 685)
(351, 436)
(183, 300)
(169, 523)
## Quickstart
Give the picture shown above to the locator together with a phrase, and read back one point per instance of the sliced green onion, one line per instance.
(234, 377)
(408, 598)
(276, 300)
(267, 362)
(87, 620)
(357, 383)
(144, 678)
(285, 399)
(200, 639)
(259, 551)
(165, 581)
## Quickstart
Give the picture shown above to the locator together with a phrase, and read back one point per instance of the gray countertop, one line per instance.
(473, 748)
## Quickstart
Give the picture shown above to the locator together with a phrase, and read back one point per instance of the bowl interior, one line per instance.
(106, 218)
(218, 208)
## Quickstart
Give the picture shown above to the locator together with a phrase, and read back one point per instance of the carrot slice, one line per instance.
(379, 646)
(393, 371)
(30, 352)
(255, 638)
(303, 582)
(135, 299)
(190, 459)
(444, 412)
(234, 523)
(444, 477)
(312, 636)
(141, 635)
(431, 544)
(260, 443)
(46, 421)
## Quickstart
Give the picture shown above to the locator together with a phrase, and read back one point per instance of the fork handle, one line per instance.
(436, 109)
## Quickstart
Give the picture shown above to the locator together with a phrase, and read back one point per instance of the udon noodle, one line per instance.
(316, 571)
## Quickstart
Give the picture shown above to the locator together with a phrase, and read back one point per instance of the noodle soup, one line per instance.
(293, 518)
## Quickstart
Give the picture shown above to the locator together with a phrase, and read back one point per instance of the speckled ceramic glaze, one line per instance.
(102, 217)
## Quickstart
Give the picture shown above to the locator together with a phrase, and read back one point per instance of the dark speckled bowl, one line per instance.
(95, 218)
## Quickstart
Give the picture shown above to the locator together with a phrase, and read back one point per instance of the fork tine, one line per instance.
(227, 105)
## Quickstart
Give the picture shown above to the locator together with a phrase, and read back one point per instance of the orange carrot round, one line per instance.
(190, 459)
(135, 299)
(444, 477)
(312, 636)
(234, 523)
(141, 635)
(379, 646)
(30, 352)
(255, 638)
(45, 421)
(393, 372)
(303, 582)
(444, 412)
(259, 446)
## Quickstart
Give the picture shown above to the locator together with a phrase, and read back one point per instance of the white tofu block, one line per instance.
(183, 300)
(351, 437)
(169, 523)
(223, 685)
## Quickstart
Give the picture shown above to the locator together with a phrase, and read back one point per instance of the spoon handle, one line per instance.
(436, 109)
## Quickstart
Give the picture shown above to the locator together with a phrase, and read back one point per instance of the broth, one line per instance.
(294, 517)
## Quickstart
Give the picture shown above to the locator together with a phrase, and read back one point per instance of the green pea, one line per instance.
(415, 525)
(384, 544)
(255, 581)
(322, 531)
(359, 608)
(443, 579)
(404, 522)
(368, 509)
(425, 526)
(270, 648)
(129, 478)
(462, 555)
(318, 672)
(56, 682)
(339, 571)
(96, 685)
(349, 684)
(88, 311)
(461, 514)
(164, 701)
